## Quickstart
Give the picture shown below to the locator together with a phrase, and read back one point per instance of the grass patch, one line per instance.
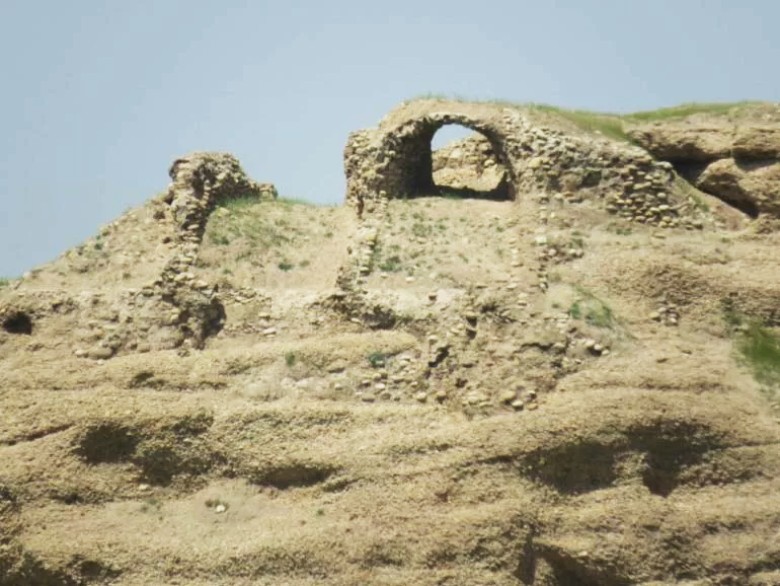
(604, 123)
(421, 230)
(759, 350)
(607, 125)
(388, 264)
(294, 201)
(285, 266)
(247, 223)
(684, 110)
(4, 282)
(377, 359)
(238, 203)
(391, 264)
(290, 359)
(592, 310)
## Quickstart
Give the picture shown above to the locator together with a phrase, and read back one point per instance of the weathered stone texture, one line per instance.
(753, 186)
(735, 162)
(175, 310)
(673, 143)
(395, 160)
(469, 164)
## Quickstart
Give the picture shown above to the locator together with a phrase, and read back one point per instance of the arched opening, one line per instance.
(466, 164)
(473, 167)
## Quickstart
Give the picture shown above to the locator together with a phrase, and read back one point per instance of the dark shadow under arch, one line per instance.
(409, 163)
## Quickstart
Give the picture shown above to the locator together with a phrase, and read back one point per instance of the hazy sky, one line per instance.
(98, 97)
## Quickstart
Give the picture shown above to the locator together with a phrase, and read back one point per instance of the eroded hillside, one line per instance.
(555, 383)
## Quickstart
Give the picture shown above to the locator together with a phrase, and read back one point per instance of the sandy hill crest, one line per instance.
(546, 355)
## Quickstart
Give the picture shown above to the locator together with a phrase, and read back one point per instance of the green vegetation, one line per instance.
(242, 220)
(377, 359)
(241, 202)
(290, 359)
(421, 230)
(285, 266)
(759, 349)
(4, 282)
(593, 310)
(608, 125)
(235, 204)
(684, 110)
(388, 264)
(605, 123)
(294, 201)
(391, 264)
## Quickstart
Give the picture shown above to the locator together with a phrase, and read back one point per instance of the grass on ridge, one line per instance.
(608, 125)
(247, 221)
(245, 201)
(604, 123)
(684, 110)
(235, 204)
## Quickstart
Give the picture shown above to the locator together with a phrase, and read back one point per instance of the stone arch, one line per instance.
(405, 155)
(541, 153)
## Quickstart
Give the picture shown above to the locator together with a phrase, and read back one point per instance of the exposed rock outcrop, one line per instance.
(752, 186)
(736, 161)
(684, 144)
(470, 164)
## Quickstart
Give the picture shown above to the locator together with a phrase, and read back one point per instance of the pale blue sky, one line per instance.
(98, 97)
